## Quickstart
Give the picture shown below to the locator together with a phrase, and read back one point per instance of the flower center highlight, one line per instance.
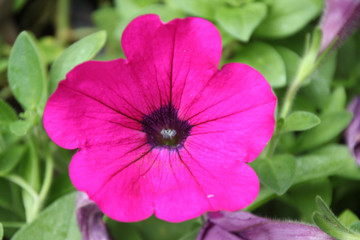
(164, 129)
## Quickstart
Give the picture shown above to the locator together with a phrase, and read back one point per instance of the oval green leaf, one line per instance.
(26, 73)
(324, 162)
(56, 222)
(287, 17)
(277, 173)
(331, 126)
(79, 52)
(300, 121)
(241, 22)
(264, 58)
(20, 127)
(336, 101)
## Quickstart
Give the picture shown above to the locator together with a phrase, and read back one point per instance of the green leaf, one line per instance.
(328, 214)
(277, 173)
(264, 58)
(331, 125)
(199, 8)
(26, 74)
(332, 229)
(10, 158)
(20, 127)
(56, 222)
(241, 22)
(7, 113)
(300, 121)
(287, 17)
(355, 227)
(326, 161)
(336, 101)
(291, 60)
(347, 218)
(328, 222)
(81, 51)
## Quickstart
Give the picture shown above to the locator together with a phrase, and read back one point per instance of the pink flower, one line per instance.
(164, 131)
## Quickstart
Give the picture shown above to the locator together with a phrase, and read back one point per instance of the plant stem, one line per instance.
(62, 21)
(48, 177)
(49, 167)
(24, 185)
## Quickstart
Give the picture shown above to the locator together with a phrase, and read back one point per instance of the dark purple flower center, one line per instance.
(164, 129)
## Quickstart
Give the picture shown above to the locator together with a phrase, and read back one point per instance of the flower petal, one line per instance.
(352, 132)
(172, 58)
(213, 232)
(90, 219)
(96, 104)
(191, 186)
(233, 117)
(248, 226)
(114, 178)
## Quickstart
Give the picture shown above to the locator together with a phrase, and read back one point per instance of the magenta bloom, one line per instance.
(164, 131)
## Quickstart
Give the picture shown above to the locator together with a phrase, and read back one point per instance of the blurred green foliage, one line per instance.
(308, 158)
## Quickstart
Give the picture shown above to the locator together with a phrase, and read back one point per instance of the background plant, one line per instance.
(305, 158)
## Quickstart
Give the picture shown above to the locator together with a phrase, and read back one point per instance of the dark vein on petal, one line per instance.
(110, 121)
(123, 168)
(121, 97)
(209, 107)
(132, 106)
(205, 145)
(232, 114)
(102, 103)
(193, 176)
(112, 142)
(200, 91)
(147, 170)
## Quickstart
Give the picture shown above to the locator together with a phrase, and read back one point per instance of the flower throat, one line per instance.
(164, 129)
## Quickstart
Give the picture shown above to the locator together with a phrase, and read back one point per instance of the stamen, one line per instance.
(168, 133)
